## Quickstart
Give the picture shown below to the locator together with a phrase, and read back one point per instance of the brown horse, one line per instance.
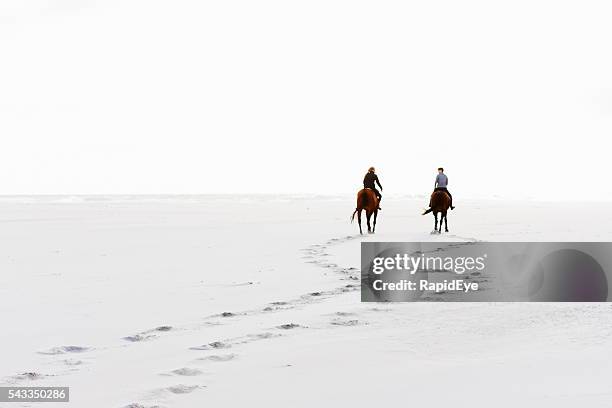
(366, 200)
(440, 202)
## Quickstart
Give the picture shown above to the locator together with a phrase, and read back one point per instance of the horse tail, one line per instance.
(428, 211)
(362, 200)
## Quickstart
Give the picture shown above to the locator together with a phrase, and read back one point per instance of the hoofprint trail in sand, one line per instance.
(178, 302)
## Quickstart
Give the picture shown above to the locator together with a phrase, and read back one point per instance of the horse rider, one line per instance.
(370, 180)
(441, 185)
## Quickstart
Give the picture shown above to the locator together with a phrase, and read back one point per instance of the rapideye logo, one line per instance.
(486, 271)
(415, 273)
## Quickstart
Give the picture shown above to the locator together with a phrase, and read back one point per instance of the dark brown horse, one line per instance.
(440, 202)
(366, 200)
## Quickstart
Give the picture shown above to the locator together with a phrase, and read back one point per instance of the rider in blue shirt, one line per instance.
(441, 185)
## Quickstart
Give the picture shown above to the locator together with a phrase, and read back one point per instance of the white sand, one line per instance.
(122, 300)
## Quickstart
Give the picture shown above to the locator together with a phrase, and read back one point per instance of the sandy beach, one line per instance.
(183, 301)
(177, 181)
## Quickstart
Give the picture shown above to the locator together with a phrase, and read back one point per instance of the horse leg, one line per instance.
(436, 218)
(359, 219)
(375, 215)
(441, 220)
(445, 222)
(368, 215)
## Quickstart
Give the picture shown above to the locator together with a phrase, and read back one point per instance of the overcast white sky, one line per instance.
(143, 96)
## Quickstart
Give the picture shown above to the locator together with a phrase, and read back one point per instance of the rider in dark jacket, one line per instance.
(370, 180)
